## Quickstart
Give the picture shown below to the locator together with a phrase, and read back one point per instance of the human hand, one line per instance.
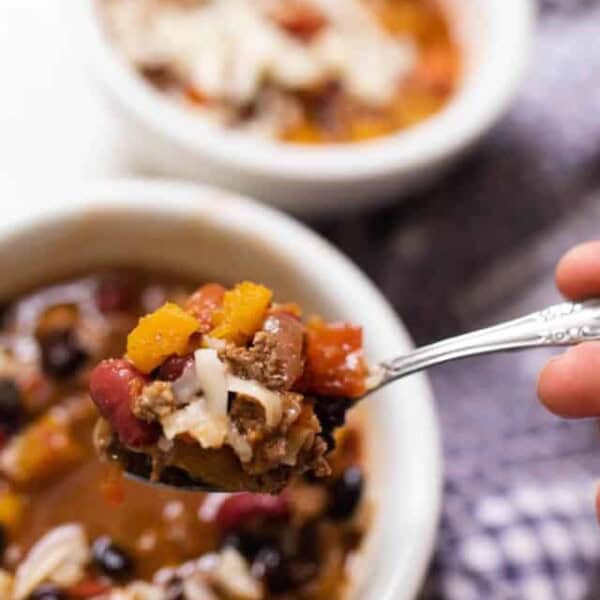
(569, 385)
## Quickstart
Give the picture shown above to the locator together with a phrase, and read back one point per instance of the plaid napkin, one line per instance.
(529, 541)
(480, 247)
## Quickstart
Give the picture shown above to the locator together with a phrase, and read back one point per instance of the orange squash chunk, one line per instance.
(164, 332)
(12, 508)
(244, 309)
(44, 449)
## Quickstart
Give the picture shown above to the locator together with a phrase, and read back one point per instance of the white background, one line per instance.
(54, 126)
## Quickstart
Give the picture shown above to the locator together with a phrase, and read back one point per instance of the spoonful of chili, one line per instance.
(233, 392)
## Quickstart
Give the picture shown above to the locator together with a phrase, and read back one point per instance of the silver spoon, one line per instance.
(563, 324)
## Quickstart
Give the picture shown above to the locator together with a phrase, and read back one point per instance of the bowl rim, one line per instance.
(453, 129)
(235, 213)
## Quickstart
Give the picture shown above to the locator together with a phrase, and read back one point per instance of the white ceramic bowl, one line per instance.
(165, 139)
(209, 234)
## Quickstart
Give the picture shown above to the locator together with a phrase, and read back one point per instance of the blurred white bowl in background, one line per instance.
(166, 140)
(214, 235)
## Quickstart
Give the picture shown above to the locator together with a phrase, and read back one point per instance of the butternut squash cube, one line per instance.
(160, 334)
(244, 309)
(12, 507)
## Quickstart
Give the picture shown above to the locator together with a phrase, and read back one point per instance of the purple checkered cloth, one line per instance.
(518, 518)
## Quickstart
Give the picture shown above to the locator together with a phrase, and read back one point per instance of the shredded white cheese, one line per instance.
(229, 48)
(196, 420)
(202, 391)
(58, 557)
(212, 378)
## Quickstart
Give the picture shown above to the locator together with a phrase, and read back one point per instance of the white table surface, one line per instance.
(54, 126)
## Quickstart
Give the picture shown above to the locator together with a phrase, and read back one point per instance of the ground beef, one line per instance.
(249, 418)
(155, 402)
(275, 448)
(275, 357)
(316, 461)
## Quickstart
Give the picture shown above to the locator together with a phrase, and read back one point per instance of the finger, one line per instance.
(578, 272)
(569, 385)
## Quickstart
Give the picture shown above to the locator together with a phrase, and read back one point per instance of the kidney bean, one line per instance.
(173, 367)
(237, 509)
(288, 334)
(114, 293)
(113, 385)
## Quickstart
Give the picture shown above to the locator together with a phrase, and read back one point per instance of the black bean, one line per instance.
(62, 355)
(271, 566)
(303, 561)
(345, 494)
(174, 589)
(47, 592)
(248, 544)
(331, 413)
(11, 405)
(233, 540)
(111, 559)
(308, 543)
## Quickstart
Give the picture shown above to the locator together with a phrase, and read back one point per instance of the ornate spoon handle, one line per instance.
(559, 325)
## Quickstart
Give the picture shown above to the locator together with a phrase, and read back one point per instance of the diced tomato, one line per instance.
(88, 588)
(195, 95)
(239, 508)
(334, 359)
(437, 70)
(299, 17)
(203, 303)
